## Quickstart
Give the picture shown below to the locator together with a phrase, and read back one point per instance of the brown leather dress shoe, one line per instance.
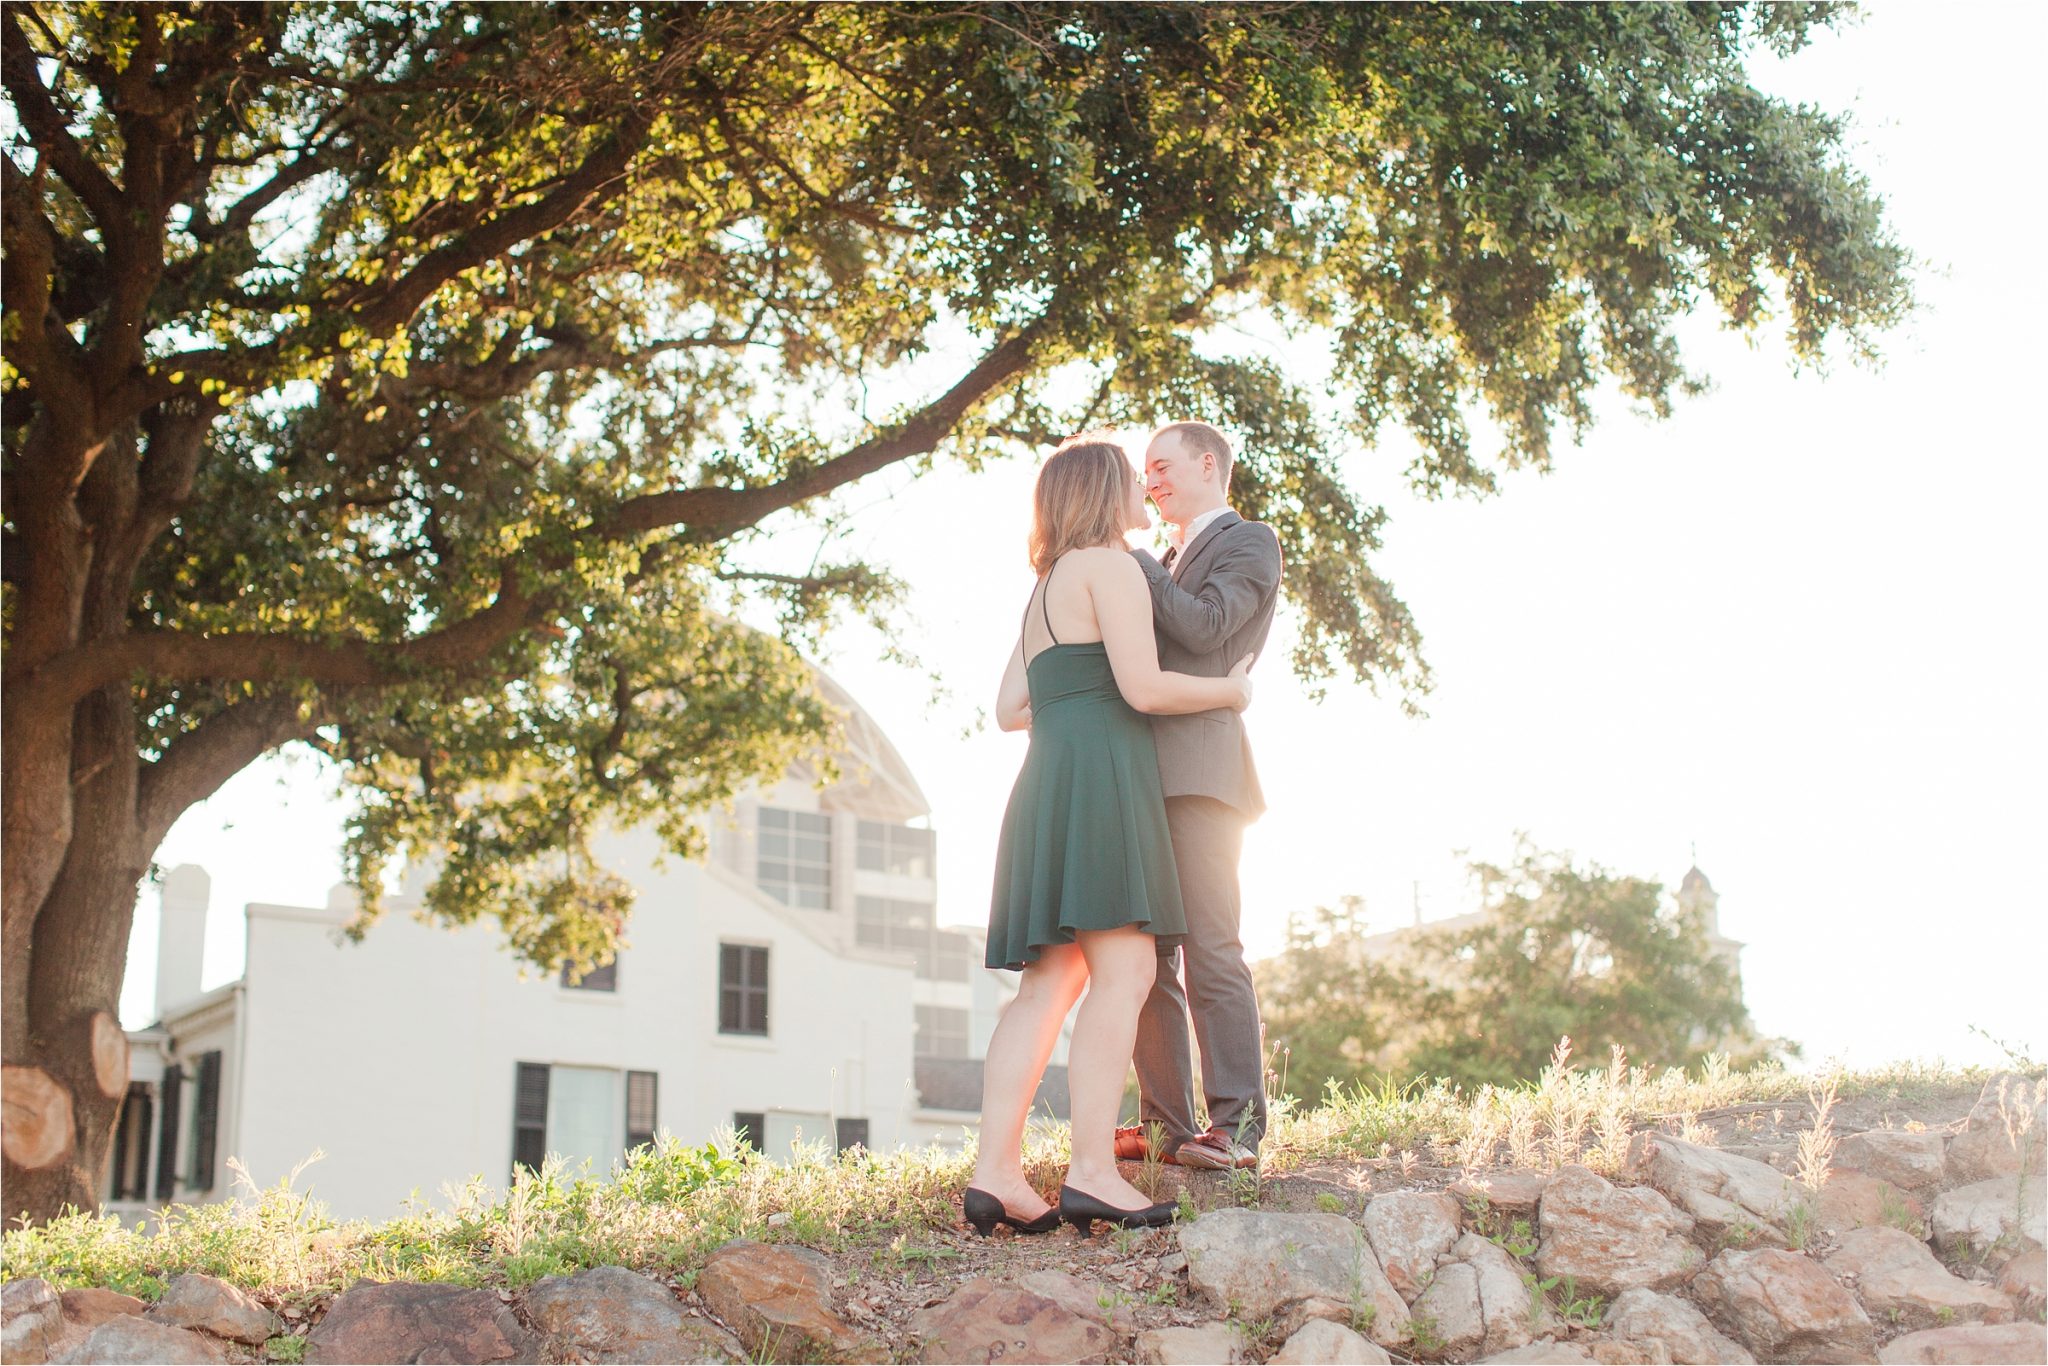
(1216, 1151)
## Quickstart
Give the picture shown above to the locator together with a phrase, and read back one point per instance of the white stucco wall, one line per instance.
(398, 1056)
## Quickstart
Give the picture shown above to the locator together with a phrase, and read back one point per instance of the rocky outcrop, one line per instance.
(2005, 1131)
(1408, 1231)
(1916, 1162)
(1898, 1280)
(1292, 1267)
(610, 1314)
(1852, 1200)
(1610, 1239)
(778, 1299)
(397, 1321)
(1734, 1201)
(1322, 1343)
(1644, 1316)
(1784, 1308)
(989, 1321)
(133, 1339)
(1991, 1220)
(211, 1305)
(1206, 1344)
(2010, 1344)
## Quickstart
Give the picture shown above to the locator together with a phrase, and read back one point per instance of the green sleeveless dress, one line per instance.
(1084, 843)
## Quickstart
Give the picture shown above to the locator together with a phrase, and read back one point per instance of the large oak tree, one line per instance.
(413, 381)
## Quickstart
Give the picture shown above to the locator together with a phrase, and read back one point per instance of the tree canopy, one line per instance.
(1555, 950)
(414, 381)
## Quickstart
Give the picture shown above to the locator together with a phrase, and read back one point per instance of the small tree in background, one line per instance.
(1557, 949)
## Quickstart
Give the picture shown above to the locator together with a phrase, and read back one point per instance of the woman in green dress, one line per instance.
(1085, 888)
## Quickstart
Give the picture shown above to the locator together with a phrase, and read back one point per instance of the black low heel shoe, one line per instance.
(1081, 1209)
(984, 1211)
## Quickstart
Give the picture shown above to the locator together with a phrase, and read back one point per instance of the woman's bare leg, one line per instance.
(1017, 1054)
(1121, 964)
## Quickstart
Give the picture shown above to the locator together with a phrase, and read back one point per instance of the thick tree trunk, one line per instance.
(64, 1087)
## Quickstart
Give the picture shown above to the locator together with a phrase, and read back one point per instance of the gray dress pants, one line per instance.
(1207, 837)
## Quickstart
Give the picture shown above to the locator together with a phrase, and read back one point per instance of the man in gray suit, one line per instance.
(1212, 603)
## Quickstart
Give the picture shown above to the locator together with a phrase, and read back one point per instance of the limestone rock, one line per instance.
(1623, 1352)
(1542, 1352)
(1987, 1147)
(398, 1321)
(1078, 1297)
(1898, 1279)
(988, 1321)
(31, 1315)
(1646, 1316)
(131, 1339)
(1449, 1309)
(1852, 1199)
(1736, 1200)
(1509, 1195)
(1986, 1218)
(1504, 1301)
(1322, 1343)
(1911, 1162)
(1610, 1239)
(1784, 1308)
(2025, 1278)
(1976, 1344)
(1208, 1344)
(1409, 1230)
(211, 1305)
(87, 1307)
(611, 1314)
(1292, 1266)
(777, 1299)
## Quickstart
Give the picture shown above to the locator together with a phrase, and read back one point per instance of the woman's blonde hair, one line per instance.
(1081, 498)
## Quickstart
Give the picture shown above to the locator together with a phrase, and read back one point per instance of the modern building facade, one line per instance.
(794, 986)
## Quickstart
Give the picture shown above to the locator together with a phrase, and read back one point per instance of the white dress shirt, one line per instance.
(1192, 532)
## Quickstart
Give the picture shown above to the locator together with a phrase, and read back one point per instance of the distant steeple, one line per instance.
(1695, 893)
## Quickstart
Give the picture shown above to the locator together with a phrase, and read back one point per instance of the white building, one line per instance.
(794, 985)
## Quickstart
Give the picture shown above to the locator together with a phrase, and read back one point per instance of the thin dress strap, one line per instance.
(1044, 610)
(1042, 591)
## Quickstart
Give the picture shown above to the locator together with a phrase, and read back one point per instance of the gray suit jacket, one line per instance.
(1220, 608)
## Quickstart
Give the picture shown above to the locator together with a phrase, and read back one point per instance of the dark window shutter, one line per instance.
(729, 991)
(131, 1145)
(167, 1142)
(208, 1116)
(641, 1089)
(852, 1133)
(530, 1116)
(753, 1128)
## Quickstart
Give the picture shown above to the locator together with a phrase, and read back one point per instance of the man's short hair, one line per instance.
(1202, 439)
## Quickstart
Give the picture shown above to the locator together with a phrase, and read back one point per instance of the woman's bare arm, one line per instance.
(1123, 612)
(1013, 698)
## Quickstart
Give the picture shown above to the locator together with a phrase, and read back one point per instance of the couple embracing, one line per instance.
(1118, 858)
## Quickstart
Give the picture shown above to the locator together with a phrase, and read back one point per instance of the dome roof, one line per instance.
(873, 781)
(1695, 881)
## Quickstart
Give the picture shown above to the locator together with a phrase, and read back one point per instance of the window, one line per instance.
(851, 1133)
(583, 1115)
(953, 956)
(742, 989)
(752, 1128)
(205, 1123)
(885, 923)
(128, 1172)
(167, 1136)
(941, 1032)
(794, 860)
(530, 1116)
(896, 849)
(603, 977)
(641, 1090)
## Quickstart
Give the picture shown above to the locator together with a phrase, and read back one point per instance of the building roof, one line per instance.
(874, 777)
(1695, 880)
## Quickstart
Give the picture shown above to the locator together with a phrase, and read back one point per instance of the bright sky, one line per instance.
(1794, 627)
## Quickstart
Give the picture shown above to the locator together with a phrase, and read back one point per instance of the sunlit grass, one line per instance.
(669, 1205)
